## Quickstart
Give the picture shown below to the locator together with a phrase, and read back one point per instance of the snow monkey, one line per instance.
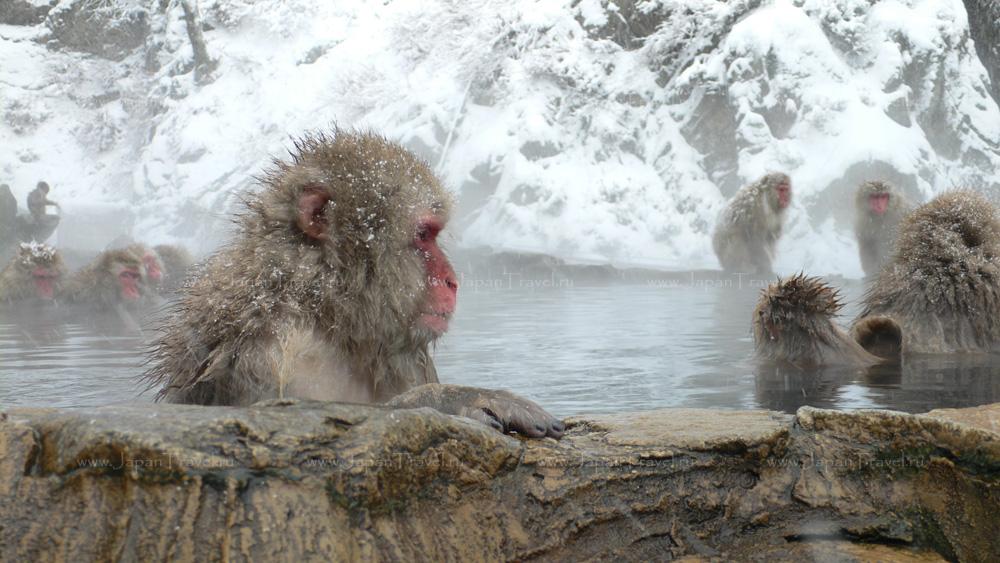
(113, 278)
(152, 267)
(333, 288)
(750, 225)
(176, 263)
(879, 207)
(939, 293)
(793, 324)
(941, 287)
(35, 272)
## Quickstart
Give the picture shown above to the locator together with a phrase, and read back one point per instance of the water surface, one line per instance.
(575, 347)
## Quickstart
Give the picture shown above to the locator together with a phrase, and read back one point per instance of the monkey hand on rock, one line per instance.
(499, 409)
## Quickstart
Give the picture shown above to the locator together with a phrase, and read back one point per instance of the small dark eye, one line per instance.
(424, 234)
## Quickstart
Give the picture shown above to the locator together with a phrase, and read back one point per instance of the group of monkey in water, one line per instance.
(334, 287)
(933, 274)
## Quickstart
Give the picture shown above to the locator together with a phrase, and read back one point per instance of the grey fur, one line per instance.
(876, 234)
(942, 285)
(328, 309)
(793, 324)
(750, 226)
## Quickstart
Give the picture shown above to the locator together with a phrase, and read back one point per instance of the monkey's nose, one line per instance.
(452, 283)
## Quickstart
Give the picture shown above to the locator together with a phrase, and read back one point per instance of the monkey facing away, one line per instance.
(114, 278)
(750, 225)
(879, 208)
(36, 272)
(334, 288)
(793, 324)
(939, 293)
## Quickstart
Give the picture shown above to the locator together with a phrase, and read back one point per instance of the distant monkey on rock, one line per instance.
(750, 225)
(879, 208)
(334, 288)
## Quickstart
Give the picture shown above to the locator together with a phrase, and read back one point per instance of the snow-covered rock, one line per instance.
(594, 130)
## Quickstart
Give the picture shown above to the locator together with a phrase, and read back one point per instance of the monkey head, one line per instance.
(779, 188)
(874, 197)
(152, 266)
(790, 308)
(362, 217)
(44, 266)
(120, 274)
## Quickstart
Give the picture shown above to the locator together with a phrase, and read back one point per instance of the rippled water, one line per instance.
(573, 347)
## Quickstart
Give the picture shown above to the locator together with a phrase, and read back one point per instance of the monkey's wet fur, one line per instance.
(939, 294)
(333, 288)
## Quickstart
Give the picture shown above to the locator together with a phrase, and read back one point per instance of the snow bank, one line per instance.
(594, 131)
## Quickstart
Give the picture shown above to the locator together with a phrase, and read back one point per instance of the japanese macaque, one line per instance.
(152, 267)
(114, 278)
(879, 209)
(751, 223)
(940, 290)
(334, 289)
(176, 263)
(35, 273)
(938, 294)
(793, 324)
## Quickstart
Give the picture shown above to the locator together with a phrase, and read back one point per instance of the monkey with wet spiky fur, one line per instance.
(940, 292)
(176, 263)
(750, 225)
(793, 324)
(112, 279)
(333, 289)
(879, 208)
(35, 273)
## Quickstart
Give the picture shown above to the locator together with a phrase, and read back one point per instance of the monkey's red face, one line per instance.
(878, 203)
(128, 283)
(784, 191)
(45, 280)
(152, 266)
(442, 285)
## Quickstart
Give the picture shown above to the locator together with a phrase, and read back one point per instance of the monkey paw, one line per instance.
(502, 410)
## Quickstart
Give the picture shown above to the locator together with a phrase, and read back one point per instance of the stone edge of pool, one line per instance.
(292, 480)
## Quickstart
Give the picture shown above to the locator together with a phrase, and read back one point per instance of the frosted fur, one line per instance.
(750, 226)
(275, 313)
(16, 283)
(942, 285)
(876, 234)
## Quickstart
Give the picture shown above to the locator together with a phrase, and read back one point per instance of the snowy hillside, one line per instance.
(591, 130)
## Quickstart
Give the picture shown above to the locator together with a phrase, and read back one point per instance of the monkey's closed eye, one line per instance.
(427, 231)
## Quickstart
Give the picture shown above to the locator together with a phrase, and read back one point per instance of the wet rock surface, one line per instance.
(316, 481)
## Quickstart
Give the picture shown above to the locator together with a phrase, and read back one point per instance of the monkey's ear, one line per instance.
(311, 218)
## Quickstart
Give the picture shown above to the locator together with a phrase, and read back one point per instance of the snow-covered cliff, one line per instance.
(595, 130)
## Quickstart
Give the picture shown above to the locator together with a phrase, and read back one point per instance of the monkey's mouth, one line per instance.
(435, 322)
